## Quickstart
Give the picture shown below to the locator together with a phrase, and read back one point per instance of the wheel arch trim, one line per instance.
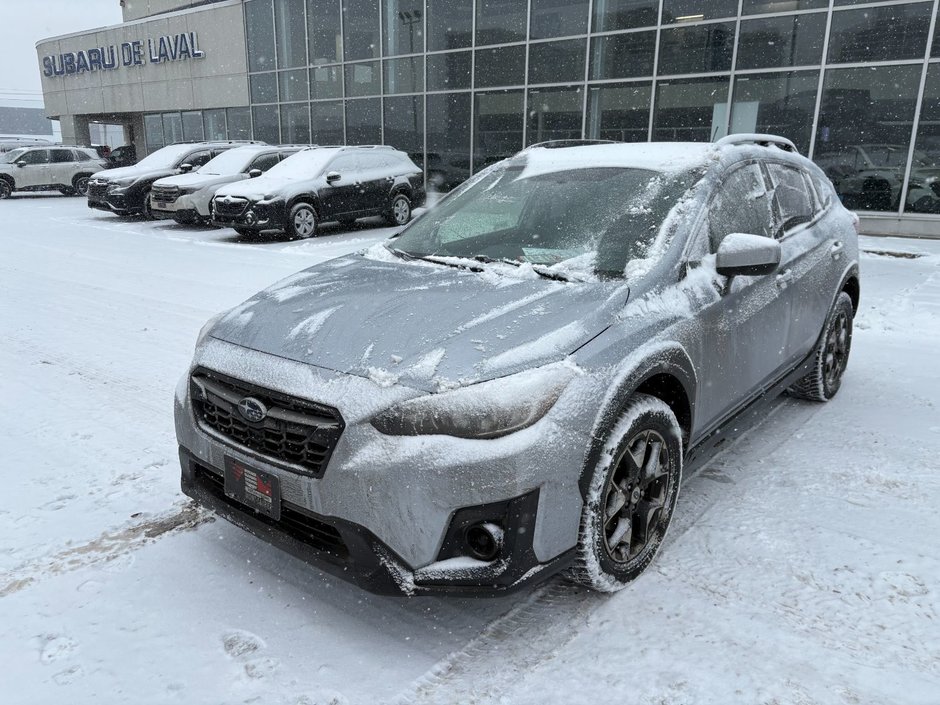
(663, 361)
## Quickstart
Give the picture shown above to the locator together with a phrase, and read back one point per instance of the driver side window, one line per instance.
(741, 205)
(35, 156)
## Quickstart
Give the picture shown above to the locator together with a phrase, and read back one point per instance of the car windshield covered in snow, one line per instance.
(231, 161)
(166, 157)
(11, 156)
(595, 218)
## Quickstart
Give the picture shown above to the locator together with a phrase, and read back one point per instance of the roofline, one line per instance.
(142, 20)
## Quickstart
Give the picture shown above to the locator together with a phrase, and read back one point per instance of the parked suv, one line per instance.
(187, 197)
(126, 190)
(516, 383)
(321, 184)
(60, 167)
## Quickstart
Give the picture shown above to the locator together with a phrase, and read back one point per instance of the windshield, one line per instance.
(304, 164)
(232, 161)
(165, 158)
(11, 156)
(609, 215)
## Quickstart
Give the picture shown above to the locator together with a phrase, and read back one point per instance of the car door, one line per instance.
(807, 253)
(341, 197)
(376, 180)
(32, 168)
(62, 165)
(744, 328)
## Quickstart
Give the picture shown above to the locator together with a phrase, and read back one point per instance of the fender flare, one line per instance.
(648, 362)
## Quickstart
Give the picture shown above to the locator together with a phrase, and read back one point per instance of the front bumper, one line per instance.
(352, 552)
(256, 217)
(400, 505)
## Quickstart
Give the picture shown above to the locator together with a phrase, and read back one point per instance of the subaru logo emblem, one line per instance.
(252, 410)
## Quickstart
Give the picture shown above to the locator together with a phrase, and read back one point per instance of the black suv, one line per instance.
(321, 184)
(126, 191)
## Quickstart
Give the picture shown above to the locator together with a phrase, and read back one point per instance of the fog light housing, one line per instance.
(484, 540)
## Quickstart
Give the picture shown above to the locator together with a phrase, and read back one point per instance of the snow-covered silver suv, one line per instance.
(187, 198)
(516, 384)
(61, 167)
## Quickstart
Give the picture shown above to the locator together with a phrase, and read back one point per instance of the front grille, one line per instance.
(297, 524)
(165, 194)
(97, 191)
(229, 207)
(295, 432)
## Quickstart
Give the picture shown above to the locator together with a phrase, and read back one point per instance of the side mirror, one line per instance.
(332, 176)
(254, 173)
(750, 255)
(21, 164)
(186, 168)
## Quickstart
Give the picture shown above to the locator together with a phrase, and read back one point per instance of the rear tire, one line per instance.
(399, 210)
(831, 355)
(302, 222)
(80, 185)
(631, 497)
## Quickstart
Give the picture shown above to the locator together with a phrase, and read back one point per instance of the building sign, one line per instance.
(161, 50)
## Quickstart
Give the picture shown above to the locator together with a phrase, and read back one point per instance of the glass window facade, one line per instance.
(460, 83)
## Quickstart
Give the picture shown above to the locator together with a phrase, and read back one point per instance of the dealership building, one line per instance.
(461, 83)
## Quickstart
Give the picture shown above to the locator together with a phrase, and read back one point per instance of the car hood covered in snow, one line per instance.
(126, 172)
(198, 180)
(258, 188)
(427, 326)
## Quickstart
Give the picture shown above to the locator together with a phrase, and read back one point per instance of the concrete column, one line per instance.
(75, 129)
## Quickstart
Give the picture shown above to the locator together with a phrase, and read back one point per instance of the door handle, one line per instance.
(836, 249)
(784, 278)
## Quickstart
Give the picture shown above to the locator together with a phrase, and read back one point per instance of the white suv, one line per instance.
(60, 167)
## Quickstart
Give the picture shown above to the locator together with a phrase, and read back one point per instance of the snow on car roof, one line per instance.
(655, 156)
(305, 163)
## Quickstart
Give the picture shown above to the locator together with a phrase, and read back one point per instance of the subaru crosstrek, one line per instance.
(515, 384)
(323, 184)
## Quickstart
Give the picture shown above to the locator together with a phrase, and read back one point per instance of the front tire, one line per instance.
(302, 222)
(631, 497)
(147, 211)
(6, 189)
(399, 210)
(831, 355)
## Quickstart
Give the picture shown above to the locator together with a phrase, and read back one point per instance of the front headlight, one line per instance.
(204, 331)
(119, 186)
(486, 410)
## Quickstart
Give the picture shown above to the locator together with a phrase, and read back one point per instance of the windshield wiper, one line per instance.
(551, 274)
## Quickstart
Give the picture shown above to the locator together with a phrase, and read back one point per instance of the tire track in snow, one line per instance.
(107, 547)
(535, 630)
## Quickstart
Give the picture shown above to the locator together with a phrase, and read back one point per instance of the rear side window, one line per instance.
(61, 156)
(741, 205)
(794, 200)
(264, 162)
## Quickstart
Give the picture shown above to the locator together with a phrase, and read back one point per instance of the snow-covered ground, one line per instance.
(803, 566)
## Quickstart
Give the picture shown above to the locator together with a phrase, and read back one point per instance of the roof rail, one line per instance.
(368, 146)
(760, 140)
(558, 144)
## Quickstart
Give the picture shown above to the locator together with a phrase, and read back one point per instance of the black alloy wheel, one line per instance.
(5, 189)
(635, 496)
(831, 356)
(631, 497)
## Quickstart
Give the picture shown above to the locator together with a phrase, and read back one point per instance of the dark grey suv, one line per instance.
(323, 184)
(516, 384)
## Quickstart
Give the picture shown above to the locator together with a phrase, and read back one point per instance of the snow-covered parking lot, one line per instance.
(803, 565)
